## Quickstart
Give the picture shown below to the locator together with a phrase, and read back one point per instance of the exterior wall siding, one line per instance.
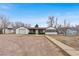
(8, 31)
(22, 30)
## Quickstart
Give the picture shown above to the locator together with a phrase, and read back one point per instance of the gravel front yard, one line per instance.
(28, 45)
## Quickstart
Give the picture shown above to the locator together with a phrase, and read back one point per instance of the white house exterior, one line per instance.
(22, 30)
(51, 30)
(70, 32)
(9, 30)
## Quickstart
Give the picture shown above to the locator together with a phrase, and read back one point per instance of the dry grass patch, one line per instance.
(72, 41)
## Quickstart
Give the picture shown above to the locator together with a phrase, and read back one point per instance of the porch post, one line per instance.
(36, 32)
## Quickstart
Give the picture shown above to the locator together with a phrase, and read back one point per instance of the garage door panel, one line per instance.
(22, 31)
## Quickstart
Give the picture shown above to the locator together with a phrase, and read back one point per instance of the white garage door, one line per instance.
(22, 31)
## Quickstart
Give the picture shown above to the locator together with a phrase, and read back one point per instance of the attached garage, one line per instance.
(22, 30)
(51, 30)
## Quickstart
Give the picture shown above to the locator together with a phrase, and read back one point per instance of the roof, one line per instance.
(50, 28)
(9, 26)
(43, 28)
(22, 28)
(73, 29)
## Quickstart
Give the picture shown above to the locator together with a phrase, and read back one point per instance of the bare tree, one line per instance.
(21, 24)
(18, 24)
(56, 23)
(77, 29)
(50, 21)
(4, 22)
(28, 25)
(65, 23)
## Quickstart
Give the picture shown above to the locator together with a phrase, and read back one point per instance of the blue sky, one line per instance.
(37, 13)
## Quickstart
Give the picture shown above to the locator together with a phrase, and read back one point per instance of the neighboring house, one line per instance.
(22, 30)
(8, 30)
(71, 32)
(51, 30)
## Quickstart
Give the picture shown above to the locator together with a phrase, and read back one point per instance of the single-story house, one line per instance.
(37, 30)
(30, 30)
(22, 30)
(8, 30)
(71, 32)
(51, 30)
